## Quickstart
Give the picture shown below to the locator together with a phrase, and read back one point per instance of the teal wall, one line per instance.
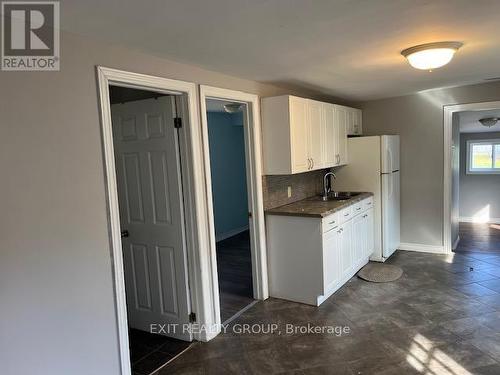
(227, 163)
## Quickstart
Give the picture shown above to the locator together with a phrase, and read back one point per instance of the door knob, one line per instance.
(124, 233)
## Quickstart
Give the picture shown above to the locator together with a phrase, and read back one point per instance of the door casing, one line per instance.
(254, 178)
(448, 112)
(200, 264)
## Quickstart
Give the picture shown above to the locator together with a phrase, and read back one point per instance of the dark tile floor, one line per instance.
(234, 267)
(479, 238)
(148, 351)
(441, 317)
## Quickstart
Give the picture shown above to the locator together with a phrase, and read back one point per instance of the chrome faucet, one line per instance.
(327, 189)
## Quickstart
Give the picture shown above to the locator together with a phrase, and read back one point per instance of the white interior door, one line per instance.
(151, 215)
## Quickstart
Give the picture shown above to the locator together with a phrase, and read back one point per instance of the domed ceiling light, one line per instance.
(489, 122)
(431, 55)
(233, 107)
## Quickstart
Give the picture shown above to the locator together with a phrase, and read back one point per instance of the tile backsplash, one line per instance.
(304, 185)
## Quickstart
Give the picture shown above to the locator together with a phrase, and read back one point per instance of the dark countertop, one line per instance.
(315, 207)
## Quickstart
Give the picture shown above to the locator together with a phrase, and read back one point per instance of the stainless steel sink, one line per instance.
(338, 196)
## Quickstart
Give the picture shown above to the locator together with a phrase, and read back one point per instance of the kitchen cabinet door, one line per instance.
(358, 237)
(331, 259)
(330, 139)
(354, 118)
(370, 240)
(346, 247)
(315, 136)
(299, 133)
(357, 126)
(341, 123)
(342, 135)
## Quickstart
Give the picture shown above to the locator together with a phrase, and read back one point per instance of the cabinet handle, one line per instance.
(359, 208)
(332, 222)
(308, 163)
(312, 160)
(346, 214)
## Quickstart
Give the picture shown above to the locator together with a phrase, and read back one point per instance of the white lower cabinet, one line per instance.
(332, 258)
(310, 258)
(359, 239)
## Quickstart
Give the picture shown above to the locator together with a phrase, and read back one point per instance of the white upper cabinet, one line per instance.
(331, 138)
(301, 135)
(341, 123)
(354, 121)
(298, 132)
(316, 134)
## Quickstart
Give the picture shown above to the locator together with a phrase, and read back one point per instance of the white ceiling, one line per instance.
(469, 121)
(343, 48)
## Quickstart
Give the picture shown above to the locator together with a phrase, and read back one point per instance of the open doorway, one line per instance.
(152, 223)
(226, 138)
(476, 181)
(230, 122)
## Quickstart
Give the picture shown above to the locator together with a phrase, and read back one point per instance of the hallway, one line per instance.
(476, 237)
(234, 267)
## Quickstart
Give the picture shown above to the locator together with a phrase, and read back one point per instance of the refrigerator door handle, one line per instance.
(389, 159)
(391, 187)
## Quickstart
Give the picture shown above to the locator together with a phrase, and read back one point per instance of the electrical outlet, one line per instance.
(289, 191)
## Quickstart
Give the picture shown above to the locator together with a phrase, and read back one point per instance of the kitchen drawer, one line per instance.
(330, 222)
(367, 203)
(345, 215)
(357, 208)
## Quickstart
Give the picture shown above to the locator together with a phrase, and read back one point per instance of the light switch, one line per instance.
(289, 190)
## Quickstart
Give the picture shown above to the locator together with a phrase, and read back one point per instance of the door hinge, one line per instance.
(177, 122)
(192, 317)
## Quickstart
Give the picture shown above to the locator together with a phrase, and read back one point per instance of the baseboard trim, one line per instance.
(422, 248)
(230, 233)
(493, 220)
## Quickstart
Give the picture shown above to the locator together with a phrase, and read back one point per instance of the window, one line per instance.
(483, 156)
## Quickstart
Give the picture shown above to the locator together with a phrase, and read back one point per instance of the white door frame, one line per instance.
(200, 268)
(448, 112)
(254, 174)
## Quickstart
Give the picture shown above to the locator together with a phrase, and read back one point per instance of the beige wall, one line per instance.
(55, 271)
(418, 119)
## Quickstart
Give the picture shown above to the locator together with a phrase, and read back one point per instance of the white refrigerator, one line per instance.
(373, 166)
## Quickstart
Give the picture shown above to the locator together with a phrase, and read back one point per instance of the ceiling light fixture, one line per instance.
(489, 121)
(233, 107)
(431, 55)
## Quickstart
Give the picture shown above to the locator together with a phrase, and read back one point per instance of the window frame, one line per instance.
(469, 155)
